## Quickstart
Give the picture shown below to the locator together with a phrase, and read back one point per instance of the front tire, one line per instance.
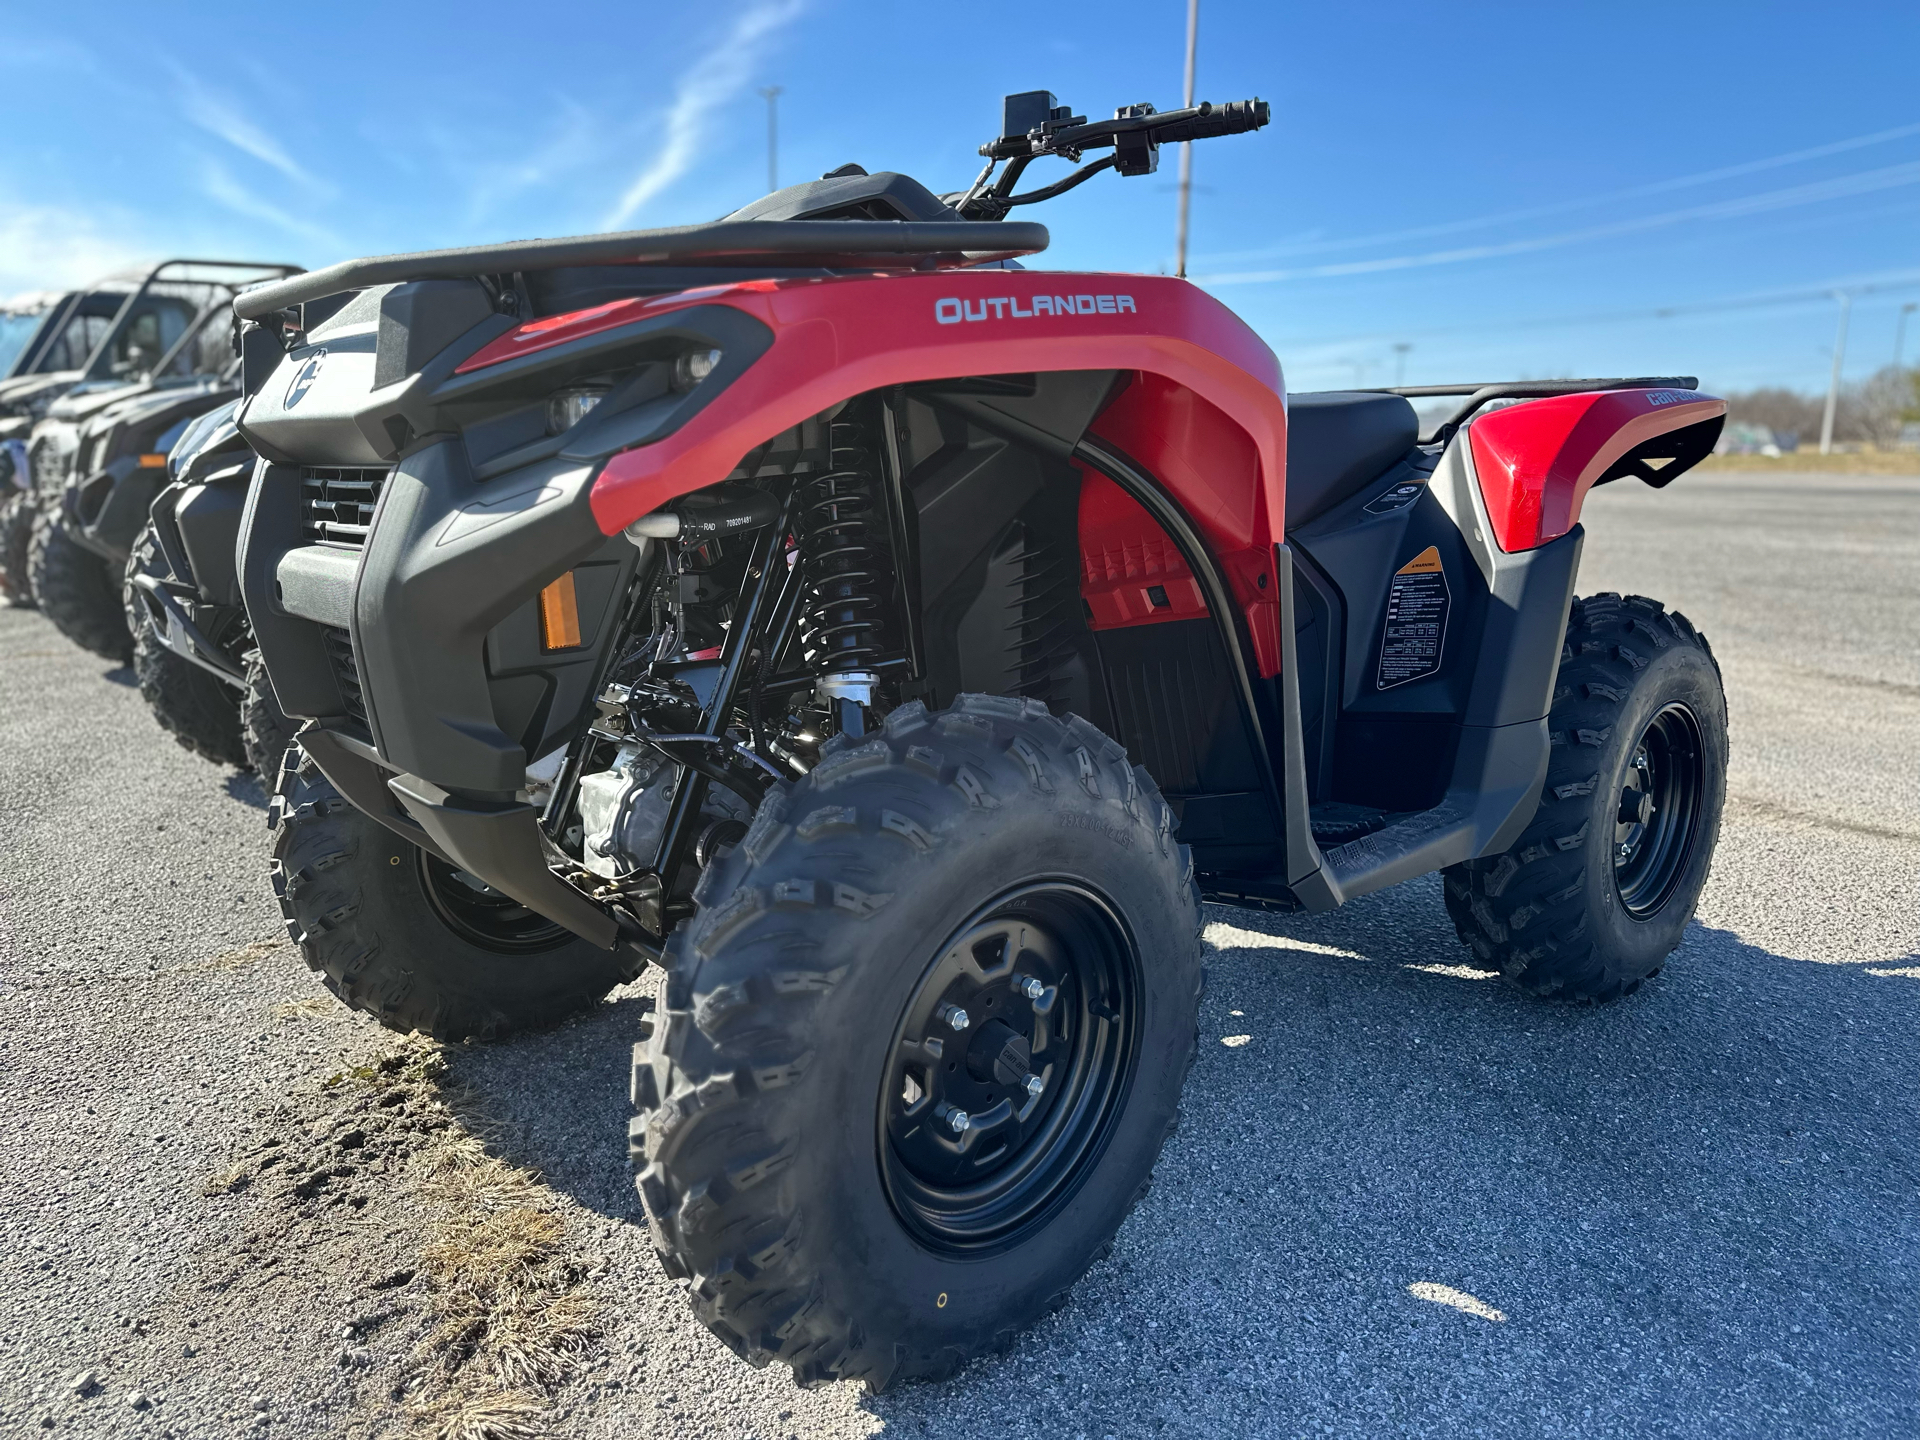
(1598, 890)
(266, 730)
(200, 710)
(16, 539)
(77, 590)
(856, 1179)
(409, 940)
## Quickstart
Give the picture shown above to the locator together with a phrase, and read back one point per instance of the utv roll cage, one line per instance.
(229, 276)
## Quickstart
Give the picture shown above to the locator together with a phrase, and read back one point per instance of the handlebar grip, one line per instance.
(1234, 118)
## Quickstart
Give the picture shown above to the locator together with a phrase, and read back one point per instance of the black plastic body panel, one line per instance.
(208, 517)
(446, 563)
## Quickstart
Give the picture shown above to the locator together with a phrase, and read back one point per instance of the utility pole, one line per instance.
(1900, 334)
(1186, 148)
(772, 94)
(1833, 381)
(1400, 363)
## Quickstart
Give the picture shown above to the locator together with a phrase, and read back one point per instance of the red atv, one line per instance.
(897, 645)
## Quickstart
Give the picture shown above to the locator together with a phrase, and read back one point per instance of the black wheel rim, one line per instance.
(1658, 818)
(992, 1121)
(478, 913)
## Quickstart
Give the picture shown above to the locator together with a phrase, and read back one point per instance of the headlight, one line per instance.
(567, 408)
(693, 367)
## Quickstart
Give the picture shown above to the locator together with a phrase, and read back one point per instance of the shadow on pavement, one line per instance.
(120, 675)
(247, 789)
(1693, 1208)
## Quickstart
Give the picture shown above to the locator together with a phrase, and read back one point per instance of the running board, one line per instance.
(1497, 776)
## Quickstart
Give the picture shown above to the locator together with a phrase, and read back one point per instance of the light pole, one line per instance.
(1900, 334)
(772, 93)
(1186, 147)
(1833, 381)
(1400, 363)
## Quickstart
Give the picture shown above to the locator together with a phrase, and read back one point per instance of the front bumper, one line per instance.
(417, 657)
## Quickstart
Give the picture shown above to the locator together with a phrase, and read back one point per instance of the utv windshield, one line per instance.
(17, 327)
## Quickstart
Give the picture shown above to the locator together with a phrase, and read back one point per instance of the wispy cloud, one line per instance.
(49, 247)
(1863, 183)
(24, 52)
(221, 119)
(573, 140)
(714, 79)
(219, 186)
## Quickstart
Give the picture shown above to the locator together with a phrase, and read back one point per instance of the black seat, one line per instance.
(1337, 442)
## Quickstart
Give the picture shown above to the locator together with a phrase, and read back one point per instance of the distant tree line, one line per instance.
(1871, 411)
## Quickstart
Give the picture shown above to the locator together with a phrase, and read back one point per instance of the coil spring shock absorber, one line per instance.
(847, 574)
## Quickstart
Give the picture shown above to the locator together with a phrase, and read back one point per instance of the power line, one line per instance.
(1537, 212)
(1894, 281)
(1861, 183)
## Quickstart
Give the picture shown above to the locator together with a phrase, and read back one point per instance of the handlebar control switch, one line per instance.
(1136, 152)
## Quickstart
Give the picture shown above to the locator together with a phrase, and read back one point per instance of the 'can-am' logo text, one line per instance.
(1002, 307)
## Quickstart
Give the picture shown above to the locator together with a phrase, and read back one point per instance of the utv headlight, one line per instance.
(567, 408)
(693, 367)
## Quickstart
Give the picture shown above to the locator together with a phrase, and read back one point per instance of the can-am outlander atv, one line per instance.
(192, 647)
(99, 456)
(899, 645)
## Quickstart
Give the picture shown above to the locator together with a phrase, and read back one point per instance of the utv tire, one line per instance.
(200, 710)
(77, 590)
(16, 538)
(1598, 890)
(265, 729)
(402, 936)
(798, 1150)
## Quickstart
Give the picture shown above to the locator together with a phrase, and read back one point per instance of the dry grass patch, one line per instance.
(513, 1314)
(249, 954)
(301, 1009)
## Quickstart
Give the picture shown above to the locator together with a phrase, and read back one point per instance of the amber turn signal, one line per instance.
(560, 615)
(151, 461)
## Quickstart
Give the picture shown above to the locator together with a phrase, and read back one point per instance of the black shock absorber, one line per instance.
(847, 574)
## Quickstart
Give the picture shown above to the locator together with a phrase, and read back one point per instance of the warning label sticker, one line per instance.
(1416, 629)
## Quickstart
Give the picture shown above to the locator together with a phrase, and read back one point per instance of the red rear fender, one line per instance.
(1536, 461)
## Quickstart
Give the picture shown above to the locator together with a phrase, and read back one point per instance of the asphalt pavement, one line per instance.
(1403, 1199)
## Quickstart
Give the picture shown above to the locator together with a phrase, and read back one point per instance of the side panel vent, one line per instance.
(337, 503)
(346, 673)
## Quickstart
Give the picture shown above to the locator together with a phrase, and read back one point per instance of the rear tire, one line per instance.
(1589, 902)
(16, 539)
(397, 934)
(796, 1144)
(78, 590)
(200, 710)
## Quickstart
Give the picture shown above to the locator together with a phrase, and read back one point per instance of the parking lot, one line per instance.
(1404, 1199)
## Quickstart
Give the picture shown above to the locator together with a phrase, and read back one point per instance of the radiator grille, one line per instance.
(337, 502)
(346, 673)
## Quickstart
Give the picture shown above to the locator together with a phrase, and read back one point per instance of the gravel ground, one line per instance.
(1404, 1199)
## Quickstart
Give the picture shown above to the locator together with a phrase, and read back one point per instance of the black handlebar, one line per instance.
(1034, 126)
(1070, 135)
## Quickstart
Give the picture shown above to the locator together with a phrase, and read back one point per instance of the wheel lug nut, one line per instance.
(956, 1118)
(1033, 1085)
(954, 1018)
(1029, 987)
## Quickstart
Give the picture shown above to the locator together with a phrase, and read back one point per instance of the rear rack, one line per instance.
(826, 243)
(1479, 394)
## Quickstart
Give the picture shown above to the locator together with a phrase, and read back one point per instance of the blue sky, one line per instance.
(1507, 190)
